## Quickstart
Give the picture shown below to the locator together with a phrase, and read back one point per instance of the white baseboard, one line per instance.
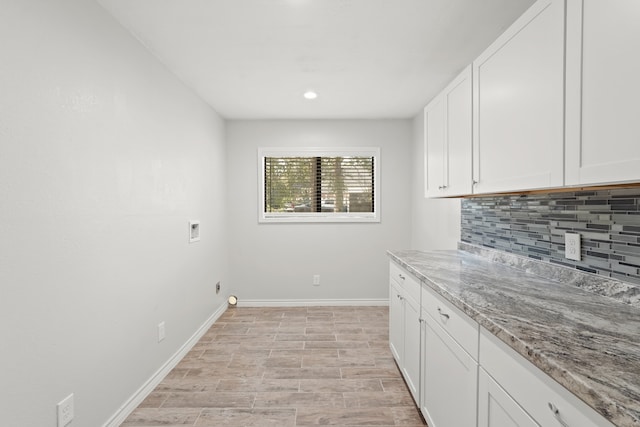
(311, 303)
(132, 403)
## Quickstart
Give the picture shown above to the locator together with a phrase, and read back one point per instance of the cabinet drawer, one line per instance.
(408, 282)
(461, 327)
(548, 403)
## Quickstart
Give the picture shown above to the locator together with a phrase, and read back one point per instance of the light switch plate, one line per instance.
(572, 246)
(161, 332)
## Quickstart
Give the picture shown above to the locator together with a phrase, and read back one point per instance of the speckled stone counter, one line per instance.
(587, 342)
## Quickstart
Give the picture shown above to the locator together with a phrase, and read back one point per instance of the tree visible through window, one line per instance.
(319, 186)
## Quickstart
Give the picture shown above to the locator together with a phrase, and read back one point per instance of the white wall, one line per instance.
(435, 223)
(104, 157)
(277, 261)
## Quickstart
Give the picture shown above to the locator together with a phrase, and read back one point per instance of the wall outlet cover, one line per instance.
(65, 411)
(572, 246)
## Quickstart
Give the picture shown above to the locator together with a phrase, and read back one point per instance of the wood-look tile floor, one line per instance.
(285, 367)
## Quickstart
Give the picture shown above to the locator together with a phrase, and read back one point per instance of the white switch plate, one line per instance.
(572, 246)
(316, 280)
(161, 331)
(65, 411)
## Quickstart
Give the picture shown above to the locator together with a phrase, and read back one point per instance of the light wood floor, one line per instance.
(286, 367)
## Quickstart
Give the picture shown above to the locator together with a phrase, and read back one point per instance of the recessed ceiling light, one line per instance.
(310, 94)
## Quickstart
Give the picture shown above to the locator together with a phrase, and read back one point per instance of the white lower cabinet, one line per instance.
(496, 408)
(396, 320)
(545, 401)
(411, 368)
(404, 326)
(461, 375)
(449, 375)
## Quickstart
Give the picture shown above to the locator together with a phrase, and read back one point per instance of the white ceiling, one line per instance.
(253, 59)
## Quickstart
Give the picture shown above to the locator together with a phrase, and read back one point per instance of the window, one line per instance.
(319, 185)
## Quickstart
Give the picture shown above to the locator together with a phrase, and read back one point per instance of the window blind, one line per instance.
(329, 184)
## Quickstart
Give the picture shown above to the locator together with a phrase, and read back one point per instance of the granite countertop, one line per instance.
(588, 343)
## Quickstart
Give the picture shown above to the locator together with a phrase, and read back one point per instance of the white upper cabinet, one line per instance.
(447, 139)
(518, 115)
(434, 147)
(603, 91)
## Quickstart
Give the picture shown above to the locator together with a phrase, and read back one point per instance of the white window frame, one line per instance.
(306, 217)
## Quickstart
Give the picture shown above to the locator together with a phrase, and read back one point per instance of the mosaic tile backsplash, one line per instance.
(534, 225)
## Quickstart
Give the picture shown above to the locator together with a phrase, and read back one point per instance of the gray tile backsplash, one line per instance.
(534, 225)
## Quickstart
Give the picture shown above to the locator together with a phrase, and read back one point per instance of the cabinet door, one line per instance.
(447, 140)
(496, 408)
(603, 89)
(449, 376)
(396, 318)
(411, 368)
(434, 147)
(459, 133)
(518, 85)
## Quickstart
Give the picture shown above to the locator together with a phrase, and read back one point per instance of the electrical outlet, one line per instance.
(572, 246)
(316, 280)
(217, 288)
(161, 331)
(65, 411)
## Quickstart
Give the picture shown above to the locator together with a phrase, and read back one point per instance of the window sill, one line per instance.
(318, 217)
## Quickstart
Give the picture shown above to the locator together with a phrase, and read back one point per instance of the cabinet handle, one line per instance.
(445, 315)
(556, 413)
(421, 320)
(401, 276)
(474, 182)
(399, 297)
